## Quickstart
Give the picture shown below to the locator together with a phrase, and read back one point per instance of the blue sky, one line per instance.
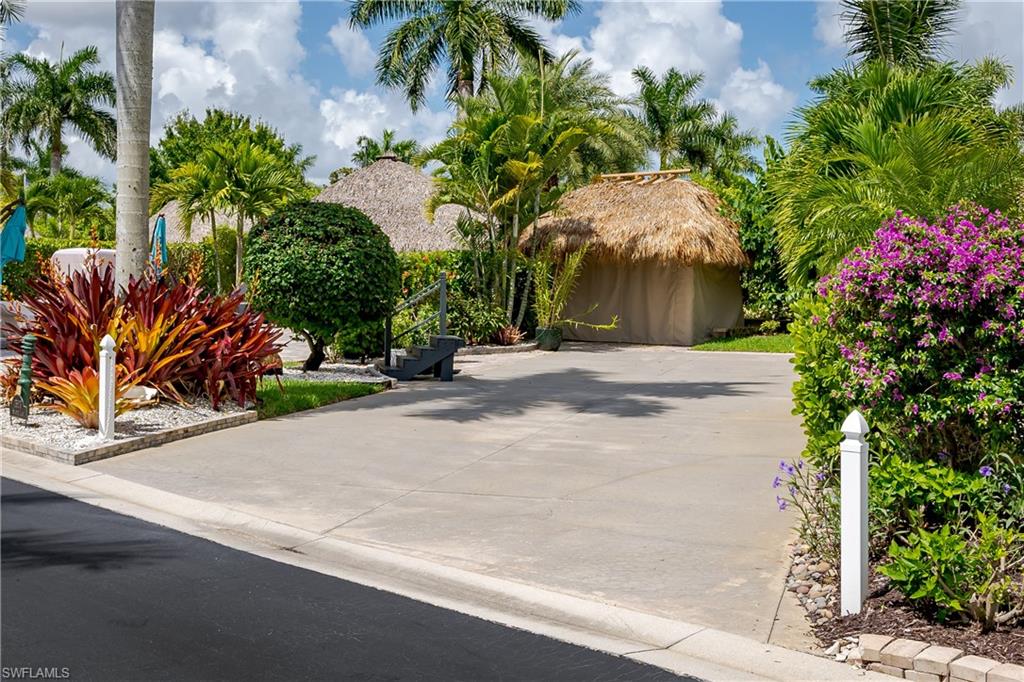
(301, 68)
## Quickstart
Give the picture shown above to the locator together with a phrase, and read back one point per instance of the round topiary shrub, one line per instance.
(320, 268)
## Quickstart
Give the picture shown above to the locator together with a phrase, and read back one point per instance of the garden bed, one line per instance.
(55, 436)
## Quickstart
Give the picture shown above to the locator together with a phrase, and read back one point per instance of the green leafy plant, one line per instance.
(554, 282)
(474, 319)
(973, 574)
(319, 268)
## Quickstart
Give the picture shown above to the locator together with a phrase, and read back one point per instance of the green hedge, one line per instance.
(180, 257)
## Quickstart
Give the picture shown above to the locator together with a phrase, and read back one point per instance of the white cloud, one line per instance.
(688, 36)
(354, 48)
(755, 98)
(349, 114)
(828, 26)
(244, 56)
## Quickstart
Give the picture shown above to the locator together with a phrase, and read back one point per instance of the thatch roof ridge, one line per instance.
(659, 218)
(394, 195)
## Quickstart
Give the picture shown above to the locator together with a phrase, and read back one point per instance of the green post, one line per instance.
(28, 346)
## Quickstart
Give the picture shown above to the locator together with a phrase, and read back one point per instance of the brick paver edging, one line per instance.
(913, 660)
(130, 444)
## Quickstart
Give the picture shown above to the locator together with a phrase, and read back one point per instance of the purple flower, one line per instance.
(820, 475)
(986, 471)
(792, 490)
(781, 502)
(782, 465)
(776, 482)
(1006, 488)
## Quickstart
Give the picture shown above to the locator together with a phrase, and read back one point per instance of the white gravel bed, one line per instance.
(335, 372)
(53, 429)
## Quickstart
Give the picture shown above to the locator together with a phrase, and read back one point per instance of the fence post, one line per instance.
(107, 393)
(853, 484)
(442, 307)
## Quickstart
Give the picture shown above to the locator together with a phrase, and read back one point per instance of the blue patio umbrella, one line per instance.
(12, 239)
(159, 242)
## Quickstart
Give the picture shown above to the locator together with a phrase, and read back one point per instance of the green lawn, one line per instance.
(301, 395)
(771, 343)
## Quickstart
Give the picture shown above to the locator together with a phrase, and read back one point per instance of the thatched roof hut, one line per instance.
(200, 224)
(661, 257)
(394, 195)
(655, 216)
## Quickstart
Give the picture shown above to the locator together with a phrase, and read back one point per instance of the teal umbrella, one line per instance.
(12, 239)
(159, 242)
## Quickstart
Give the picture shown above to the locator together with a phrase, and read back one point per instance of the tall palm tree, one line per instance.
(196, 187)
(369, 150)
(475, 37)
(724, 149)
(251, 183)
(134, 102)
(674, 119)
(905, 32)
(51, 95)
(890, 138)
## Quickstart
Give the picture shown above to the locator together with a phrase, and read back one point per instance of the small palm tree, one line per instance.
(905, 32)
(72, 201)
(49, 96)
(675, 121)
(251, 183)
(196, 187)
(369, 150)
(476, 37)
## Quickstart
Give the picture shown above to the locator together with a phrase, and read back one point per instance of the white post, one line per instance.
(107, 380)
(853, 483)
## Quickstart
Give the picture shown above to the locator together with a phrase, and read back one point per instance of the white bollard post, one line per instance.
(107, 380)
(853, 517)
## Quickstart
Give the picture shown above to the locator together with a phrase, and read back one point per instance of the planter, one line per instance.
(549, 338)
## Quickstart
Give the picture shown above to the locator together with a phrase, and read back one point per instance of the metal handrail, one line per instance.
(441, 287)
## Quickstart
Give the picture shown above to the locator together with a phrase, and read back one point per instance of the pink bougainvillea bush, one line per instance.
(930, 321)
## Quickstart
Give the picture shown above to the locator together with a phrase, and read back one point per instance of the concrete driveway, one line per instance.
(638, 476)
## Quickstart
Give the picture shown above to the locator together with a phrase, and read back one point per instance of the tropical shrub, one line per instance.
(476, 320)
(929, 320)
(973, 573)
(78, 395)
(319, 268)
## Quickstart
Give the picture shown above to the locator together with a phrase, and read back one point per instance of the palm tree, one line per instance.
(905, 32)
(475, 37)
(570, 88)
(134, 101)
(674, 121)
(197, 188)
(10, 12)
(251, 183)
(50, 96)
(73, 201)
(369, 149)
(724, 150)
(888, 138)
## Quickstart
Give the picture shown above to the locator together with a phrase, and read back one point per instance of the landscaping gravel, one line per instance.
(51, 428)
(335, 372)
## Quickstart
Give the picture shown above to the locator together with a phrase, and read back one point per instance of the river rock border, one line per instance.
(121, 447)
(910, 659)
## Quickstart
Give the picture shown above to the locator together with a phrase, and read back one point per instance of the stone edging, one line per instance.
(497, 350)
(913, 660)
(130, 444)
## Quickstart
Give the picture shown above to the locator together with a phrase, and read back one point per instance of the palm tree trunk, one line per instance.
(239, 245)
(216, 250)
(56, 151)
(134, 101)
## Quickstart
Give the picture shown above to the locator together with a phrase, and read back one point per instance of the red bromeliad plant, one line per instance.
(169, 336)
(78, 395)
(233, 363)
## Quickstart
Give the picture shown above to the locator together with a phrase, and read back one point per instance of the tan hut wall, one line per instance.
(656, 302)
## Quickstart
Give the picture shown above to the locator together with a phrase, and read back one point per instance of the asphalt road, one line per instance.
(90, 594)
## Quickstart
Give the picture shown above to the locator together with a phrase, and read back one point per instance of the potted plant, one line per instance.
(554, 281)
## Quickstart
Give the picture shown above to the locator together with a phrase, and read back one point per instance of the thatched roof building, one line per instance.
(200, 224)
(661, 256)
(652, 217)
(394, 195)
